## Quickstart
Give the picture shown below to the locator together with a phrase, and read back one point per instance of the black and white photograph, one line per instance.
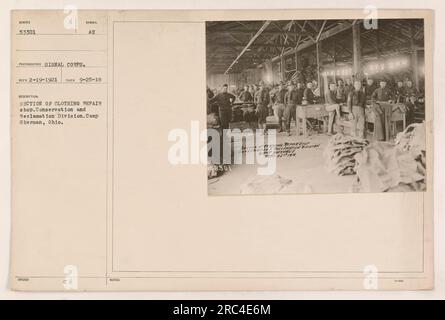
(337, 105)
(240, 151)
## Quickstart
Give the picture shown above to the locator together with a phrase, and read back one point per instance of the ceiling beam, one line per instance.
(263, 27)
(303, 30)
(324, 35)
(321, 30)
(249, 31)
(255, 45)
(289, 27)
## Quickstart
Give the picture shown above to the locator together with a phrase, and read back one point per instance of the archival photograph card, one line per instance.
(222, 150)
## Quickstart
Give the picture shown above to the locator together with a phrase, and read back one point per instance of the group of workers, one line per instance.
(282, 100)
(360, 95)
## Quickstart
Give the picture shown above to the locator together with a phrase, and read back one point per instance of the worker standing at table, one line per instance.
(247, 99)
(224, 101)
(382, 112)
(245, 95)
(308, 94)
(357, 104)
(209, 92)
(349, 86)
(252, 90)
(341, 91)
(332, 107)
(383, 93)
(410, 90)
(278, 105)
(210, 95)
(315, 88)
(370, 88)
(262, 101)
(399, 94)
(300, 91)
(411, 96)
(291, 99)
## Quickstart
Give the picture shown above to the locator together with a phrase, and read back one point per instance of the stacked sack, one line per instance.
(396, 167)
(340, 152)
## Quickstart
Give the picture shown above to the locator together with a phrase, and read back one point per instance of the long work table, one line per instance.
(379, 111)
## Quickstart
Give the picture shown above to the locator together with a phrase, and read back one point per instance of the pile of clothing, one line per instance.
(394, 167)
(340, 152)
(412, 138)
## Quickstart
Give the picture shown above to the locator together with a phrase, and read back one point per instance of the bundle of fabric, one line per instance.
(384, 166)
(212, 120)
(412, 138)
(249, 114)
(273, 184)
(216, 170)
(340, 151)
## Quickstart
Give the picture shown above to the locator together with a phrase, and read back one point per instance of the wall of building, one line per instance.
(235, 80)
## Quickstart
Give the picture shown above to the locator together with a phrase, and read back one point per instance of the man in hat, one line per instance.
(224, 101)
(262, 101)
(332, 107)
(357, 103)
(291, 99)
(278, 107)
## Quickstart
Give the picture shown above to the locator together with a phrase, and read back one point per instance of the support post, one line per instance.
(377, 34)
(283, 67)
(414, 59)
(335, 59)
(357, 52)
(320, 79)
